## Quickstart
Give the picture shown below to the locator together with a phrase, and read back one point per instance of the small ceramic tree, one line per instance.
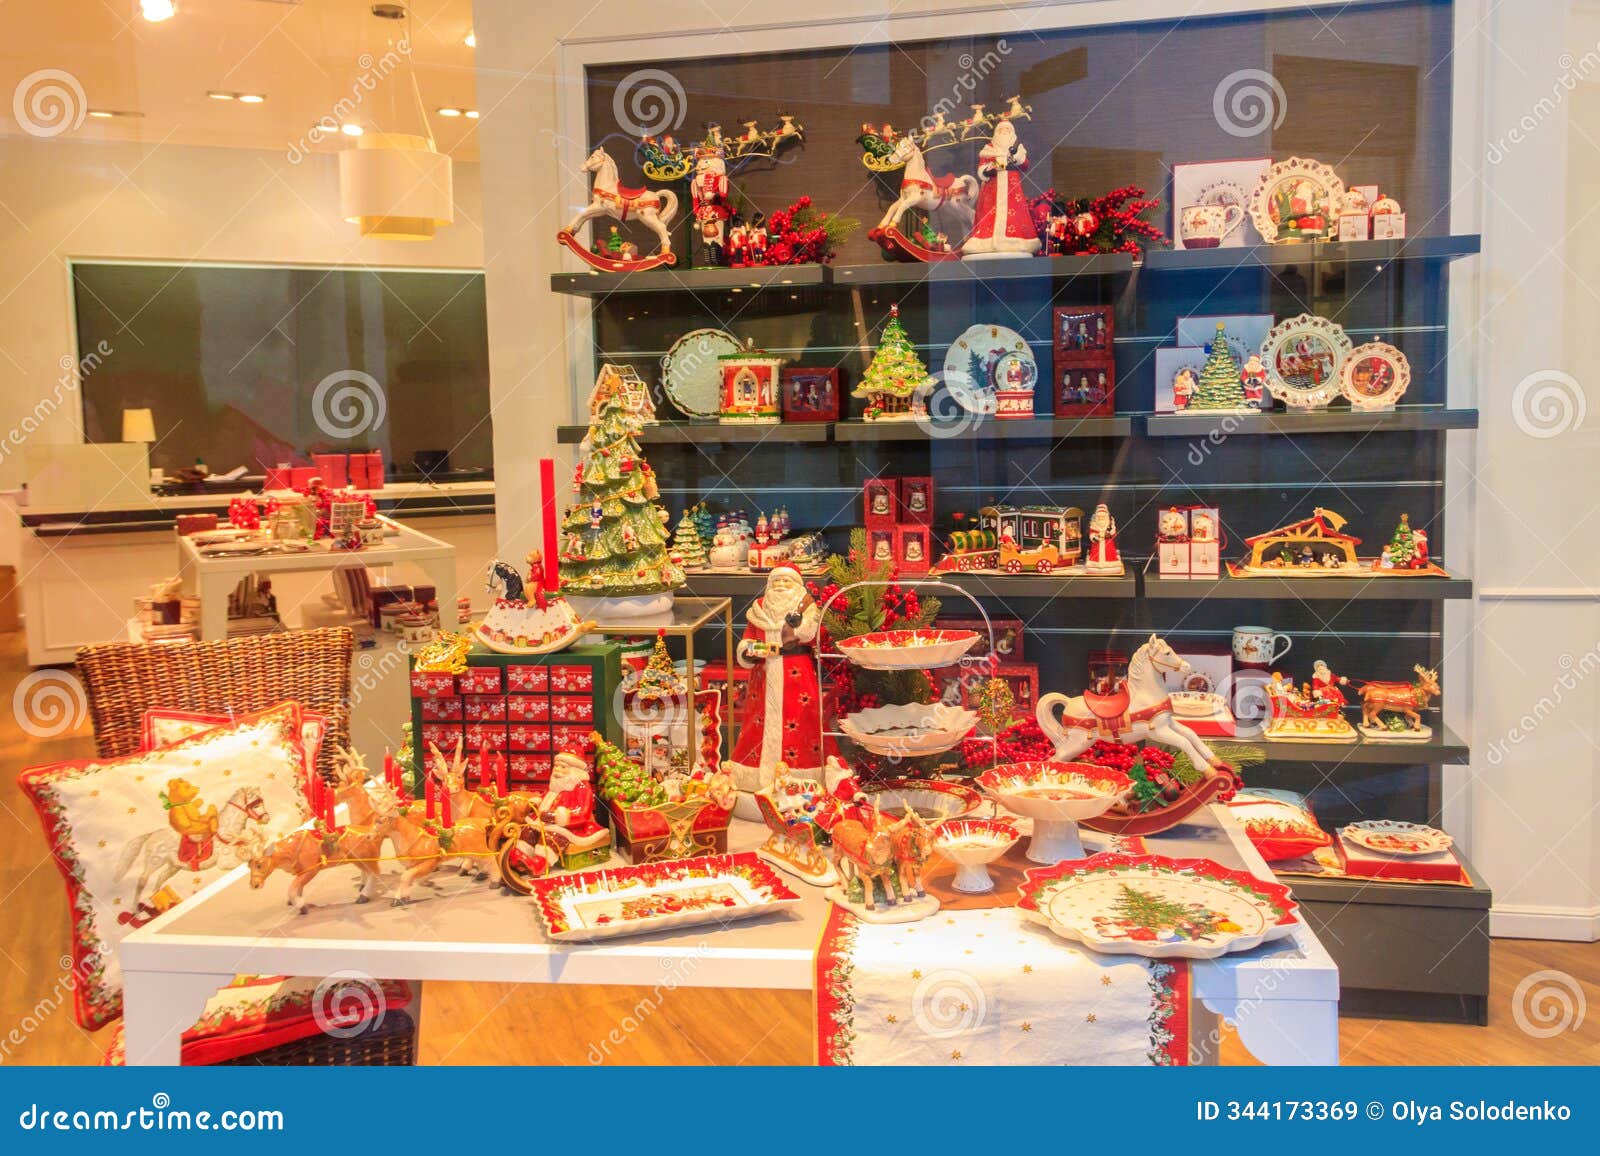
(1220, 387)
(896, 374)
(688, 550)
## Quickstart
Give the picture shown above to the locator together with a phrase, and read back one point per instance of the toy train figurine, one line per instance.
(1034, 539)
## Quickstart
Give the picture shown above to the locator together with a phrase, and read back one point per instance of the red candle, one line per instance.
(483, 767)
(547, 501)
(431, 792)
(444, 808)
(388, 767)
(500, 774)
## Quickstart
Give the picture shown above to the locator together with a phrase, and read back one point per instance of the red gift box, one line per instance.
(528, 679)
(333, 469)
(913, 549)
(480, 680)
(1440, 867)
(571, 680)
(431, 684)
(195, 523)
(528, 708)
(880, 502)
(486, 708)
(279, 477)
(486, 736)
(441, 735)
(366, 470)
(441, 710)
(914, 497)
(529, 737)
(300, 477)
(572, 709)
(573, 740)
(525, 768)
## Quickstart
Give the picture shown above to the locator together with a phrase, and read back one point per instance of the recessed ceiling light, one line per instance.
(220, 95)
(470, 40)
(155, 11)
(251, 98)
(351, 129)
(113, 113)
(472, 114)
(449, 112)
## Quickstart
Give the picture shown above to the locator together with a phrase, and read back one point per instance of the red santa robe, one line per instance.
(1003, 223)
(782, 719)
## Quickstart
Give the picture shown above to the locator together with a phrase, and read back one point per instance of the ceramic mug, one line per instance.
(1258, 646)
(1204, 226)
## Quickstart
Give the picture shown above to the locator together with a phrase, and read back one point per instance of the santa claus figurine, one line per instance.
(1103, 556)
(1325, 684)
(1003, 226)
(782, 718)
(566, 819)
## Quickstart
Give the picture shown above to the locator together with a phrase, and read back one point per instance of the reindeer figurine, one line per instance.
(1407, 699)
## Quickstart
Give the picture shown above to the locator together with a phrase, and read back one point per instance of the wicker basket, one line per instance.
(393, 1044)
(240, 675)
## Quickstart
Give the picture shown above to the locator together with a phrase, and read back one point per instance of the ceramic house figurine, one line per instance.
(750, 386)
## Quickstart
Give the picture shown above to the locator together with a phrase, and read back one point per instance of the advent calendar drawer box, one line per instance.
(574, 740)
(571, 680)
(486, 736)
(441, 735)
(428, 684)
(571, 709)
(441, 710)
(527, 679)
(528, 768)
(485, 708)
(481, 680)
(528, 708)
(530, 737)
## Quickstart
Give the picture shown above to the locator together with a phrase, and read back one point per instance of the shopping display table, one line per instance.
(213, 578)
(1282, 997)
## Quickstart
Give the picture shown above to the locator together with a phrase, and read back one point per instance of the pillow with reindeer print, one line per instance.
(136, 836)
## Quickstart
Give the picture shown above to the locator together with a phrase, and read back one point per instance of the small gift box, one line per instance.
(528, 679)
(572, 709)
(480, 680)
(571, 680)
(485, 708)
(528, 708)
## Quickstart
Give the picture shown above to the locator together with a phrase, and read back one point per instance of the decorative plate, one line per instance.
(1304, 357)
(909, 729)
(1225, 193)
(654, 896)
(1393, 837)
(1294, 201)
(933, 799)
(1195, 703)
(1157, 907)
(921, 649)
(691, 376)
(973, 365)
(1053, 791)
(1375, 376)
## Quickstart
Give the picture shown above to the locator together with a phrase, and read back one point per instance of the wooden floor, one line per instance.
(530, 1024)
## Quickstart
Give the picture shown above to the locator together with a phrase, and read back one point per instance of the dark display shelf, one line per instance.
(1444, 747)
(987, 429)
(1019, 586)
(1304, 589)
(1337, 421)
(592, 283)
(1447, 248)
(1012, 269)
(712, 433)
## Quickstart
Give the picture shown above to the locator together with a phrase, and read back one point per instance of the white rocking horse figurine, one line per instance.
(920, 189)
(654, 208)
(1141, 710)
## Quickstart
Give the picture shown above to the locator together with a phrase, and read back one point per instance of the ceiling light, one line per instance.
(113, 113)
(156, 11)
(351, 129)
(395, 186)
(449, 112)
(472, 114)
(470, 40)
(220, 95)
(101, 113)
(251, 98)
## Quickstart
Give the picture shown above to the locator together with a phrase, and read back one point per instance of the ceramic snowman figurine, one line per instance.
(727, 552)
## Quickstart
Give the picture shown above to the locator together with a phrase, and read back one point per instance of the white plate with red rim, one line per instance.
(1394, 837)
(918, 649)
(1157, 907)
(1056, 796)
(933, 799)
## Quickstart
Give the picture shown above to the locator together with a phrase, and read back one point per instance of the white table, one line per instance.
(214, 578)
(1282, 997)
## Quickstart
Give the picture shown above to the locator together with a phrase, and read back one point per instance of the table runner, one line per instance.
(979, 984)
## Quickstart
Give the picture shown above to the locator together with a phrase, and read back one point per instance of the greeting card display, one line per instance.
(810, 393)
(1083, 362)
(1224, 184)
(1178, 372)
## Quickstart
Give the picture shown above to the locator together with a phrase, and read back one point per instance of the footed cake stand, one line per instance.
(1056, 796)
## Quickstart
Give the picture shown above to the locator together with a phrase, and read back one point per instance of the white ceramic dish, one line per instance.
(909, 729)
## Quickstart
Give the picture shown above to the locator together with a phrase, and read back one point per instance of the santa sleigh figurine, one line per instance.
(653, 208)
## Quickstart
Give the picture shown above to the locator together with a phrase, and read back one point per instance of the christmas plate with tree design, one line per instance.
(1157, 907)
(691, 374)
(974, 366)
(921, 649)
(1394, 837)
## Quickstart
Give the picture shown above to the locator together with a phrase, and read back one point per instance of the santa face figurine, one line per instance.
(782, 719)
(1003, 226)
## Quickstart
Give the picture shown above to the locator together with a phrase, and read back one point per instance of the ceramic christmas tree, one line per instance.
(614, 559)
(659, 679)
(896, 374)
(688, 550)
(1220, 387)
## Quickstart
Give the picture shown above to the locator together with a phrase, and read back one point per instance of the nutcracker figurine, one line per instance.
(709, 198)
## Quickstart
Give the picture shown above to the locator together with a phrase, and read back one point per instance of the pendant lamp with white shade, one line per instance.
(396, 186)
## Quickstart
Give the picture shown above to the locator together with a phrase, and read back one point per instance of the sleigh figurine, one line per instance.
(1303, 716)
(791, 809)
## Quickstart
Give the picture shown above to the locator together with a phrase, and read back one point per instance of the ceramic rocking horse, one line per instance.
(1131, 710)
(654, 208)
(921, 190)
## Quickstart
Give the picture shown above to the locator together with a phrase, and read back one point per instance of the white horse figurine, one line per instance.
(238, 840)
(1147, 715)
(655, 208)
(919, 189)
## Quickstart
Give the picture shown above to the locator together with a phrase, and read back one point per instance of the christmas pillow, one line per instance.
(162, 727)
(254, 1013)
(135, 836)
(1279, 823)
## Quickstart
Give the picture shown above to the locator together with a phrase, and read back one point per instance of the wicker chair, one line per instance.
(311, 667)
(240, 675)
